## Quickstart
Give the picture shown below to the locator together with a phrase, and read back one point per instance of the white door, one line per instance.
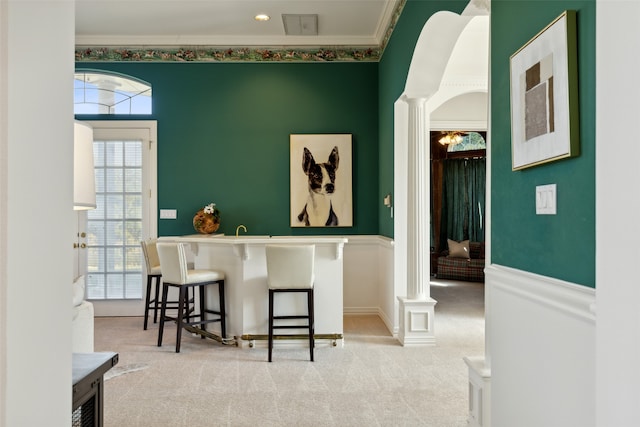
(125, 166)
(80, 245)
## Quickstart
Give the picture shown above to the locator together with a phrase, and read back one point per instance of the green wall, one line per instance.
(224, 136)
(393, 69)
(562, 245)
(223, 132)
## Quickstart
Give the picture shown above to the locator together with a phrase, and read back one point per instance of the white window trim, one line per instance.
(152, 127)
(134, 307)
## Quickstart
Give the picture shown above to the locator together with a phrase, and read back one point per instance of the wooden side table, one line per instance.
(88, 387)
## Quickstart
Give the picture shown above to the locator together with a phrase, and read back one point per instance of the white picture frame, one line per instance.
(544, 95)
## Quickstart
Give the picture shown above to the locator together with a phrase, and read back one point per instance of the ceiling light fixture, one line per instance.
(451, 138)
(262, 17)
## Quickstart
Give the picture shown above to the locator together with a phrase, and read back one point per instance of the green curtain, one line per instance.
(463, 200)
(476, 185)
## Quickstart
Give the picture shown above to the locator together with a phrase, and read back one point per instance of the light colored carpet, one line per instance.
(372, 381)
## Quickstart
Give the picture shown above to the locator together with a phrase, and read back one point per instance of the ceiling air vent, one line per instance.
(300, 25)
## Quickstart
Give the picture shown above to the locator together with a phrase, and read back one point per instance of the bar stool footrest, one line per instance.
(207, 334)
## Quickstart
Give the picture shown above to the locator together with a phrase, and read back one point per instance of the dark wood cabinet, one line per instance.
(88, 387)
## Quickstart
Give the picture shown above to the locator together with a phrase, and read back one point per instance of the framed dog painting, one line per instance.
(320, 168)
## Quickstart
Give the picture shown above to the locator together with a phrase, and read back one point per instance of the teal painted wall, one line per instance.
(223, 132)
(224, 137)
(393, 69)
(562, 245)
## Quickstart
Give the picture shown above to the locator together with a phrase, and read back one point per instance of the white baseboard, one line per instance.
(361, 311)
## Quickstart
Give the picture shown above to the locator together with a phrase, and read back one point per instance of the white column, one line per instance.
(416, 310)
(418, 241)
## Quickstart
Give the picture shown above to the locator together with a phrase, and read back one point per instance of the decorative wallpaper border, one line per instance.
(243, 54)
(239, 54)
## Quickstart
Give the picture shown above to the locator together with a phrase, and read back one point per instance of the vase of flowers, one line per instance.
(207, 219)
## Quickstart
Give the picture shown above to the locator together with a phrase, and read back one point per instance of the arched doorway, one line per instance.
(450, 61)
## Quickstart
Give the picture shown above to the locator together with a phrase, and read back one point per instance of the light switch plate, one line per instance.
(546, 201)
(168, 214)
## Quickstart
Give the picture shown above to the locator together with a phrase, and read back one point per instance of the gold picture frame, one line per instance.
(544, 96)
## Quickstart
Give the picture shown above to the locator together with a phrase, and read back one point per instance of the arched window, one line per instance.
(100, 92)
(470, 141)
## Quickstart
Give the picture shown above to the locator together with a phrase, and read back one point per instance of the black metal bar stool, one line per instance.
(176, 274)
(290, 268)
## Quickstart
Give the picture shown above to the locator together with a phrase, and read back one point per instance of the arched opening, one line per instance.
(446, 89)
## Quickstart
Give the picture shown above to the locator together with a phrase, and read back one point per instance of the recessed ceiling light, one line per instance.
(262, 17)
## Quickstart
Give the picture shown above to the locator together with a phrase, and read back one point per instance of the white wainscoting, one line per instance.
(541, 350)
(368, 279)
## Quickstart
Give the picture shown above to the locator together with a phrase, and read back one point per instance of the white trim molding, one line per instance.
(568, 298)
(479, 392)
(417, 317)
(541, 334)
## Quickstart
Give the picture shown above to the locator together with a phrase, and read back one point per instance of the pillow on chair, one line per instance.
(458, 249)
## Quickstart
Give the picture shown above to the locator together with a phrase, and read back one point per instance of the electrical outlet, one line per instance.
(168, 214)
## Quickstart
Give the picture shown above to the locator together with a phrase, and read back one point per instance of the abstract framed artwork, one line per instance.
(544, 96)
(320, 180)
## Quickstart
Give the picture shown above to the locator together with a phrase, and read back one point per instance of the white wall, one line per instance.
(4, 162)
(468, 112)
(360, 291)
(617, 207)
(368, 279)
(36, 216)
(388, 291)
(542, 350)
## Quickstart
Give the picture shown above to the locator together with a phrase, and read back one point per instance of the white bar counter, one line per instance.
(243, 261)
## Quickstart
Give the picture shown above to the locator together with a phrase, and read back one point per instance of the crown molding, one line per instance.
(205, 53)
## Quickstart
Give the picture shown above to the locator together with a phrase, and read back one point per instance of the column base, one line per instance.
(479, 392)
(416, 322)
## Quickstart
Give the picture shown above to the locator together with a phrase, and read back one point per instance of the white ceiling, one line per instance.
(228, 22)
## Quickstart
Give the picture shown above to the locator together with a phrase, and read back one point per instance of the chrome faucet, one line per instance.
(239, 227)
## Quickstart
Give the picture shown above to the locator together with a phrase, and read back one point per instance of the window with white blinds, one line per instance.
(115, 228)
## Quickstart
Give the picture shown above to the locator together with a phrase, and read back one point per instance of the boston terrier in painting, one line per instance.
(318, 211)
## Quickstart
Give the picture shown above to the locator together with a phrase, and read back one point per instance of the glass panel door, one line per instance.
(115, 227)
(125, 215)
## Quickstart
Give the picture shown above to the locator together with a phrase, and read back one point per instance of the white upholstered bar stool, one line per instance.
(154, 275)
(175, 273)
(290, 268)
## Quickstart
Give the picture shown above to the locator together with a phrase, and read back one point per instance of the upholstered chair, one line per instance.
(290, 268)
(176, 274)
(154, 275)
